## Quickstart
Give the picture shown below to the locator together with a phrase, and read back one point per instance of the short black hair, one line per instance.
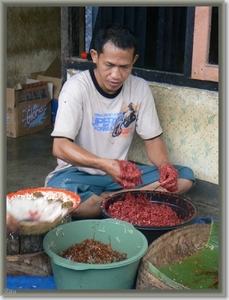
(119, 35)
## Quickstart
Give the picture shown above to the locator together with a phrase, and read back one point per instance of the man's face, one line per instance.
(113, 66)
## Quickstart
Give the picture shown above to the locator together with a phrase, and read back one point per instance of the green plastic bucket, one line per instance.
(121, 235)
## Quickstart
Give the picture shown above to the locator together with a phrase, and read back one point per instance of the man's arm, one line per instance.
(157, 154)
(75, 155)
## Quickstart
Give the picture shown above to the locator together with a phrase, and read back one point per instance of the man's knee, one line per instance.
(184, 185)
(89, 208)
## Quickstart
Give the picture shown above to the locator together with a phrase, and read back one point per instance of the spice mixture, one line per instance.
(91, 251)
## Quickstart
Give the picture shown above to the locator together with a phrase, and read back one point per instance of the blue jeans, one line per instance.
(86, 185)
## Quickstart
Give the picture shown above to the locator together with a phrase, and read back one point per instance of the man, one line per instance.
(98, 113)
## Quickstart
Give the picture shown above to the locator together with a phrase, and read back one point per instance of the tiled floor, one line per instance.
(29, 160)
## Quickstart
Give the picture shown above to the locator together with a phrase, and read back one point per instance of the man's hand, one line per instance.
(130, 175)
(124, 173)
(168, 178)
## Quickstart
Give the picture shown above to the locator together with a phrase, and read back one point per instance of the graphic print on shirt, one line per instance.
(116, 123)
(124, 120)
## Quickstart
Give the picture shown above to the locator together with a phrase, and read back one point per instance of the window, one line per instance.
(161, 31)
(168, 38)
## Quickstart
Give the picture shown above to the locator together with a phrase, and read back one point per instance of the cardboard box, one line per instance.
(50, 85)
(52, 75)
(28, 109)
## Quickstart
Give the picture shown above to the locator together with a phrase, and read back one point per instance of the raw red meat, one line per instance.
(130, 174)
(140, 211)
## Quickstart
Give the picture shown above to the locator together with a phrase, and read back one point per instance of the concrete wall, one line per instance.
(189, 118)
(33, 37)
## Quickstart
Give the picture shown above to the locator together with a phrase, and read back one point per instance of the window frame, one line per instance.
(201, 69)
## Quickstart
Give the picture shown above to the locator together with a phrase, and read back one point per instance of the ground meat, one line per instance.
(142, 212)
(130, 174)
(91, 251)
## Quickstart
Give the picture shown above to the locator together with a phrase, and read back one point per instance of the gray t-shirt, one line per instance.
(101, 123)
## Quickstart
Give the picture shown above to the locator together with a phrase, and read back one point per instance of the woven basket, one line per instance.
(170, 247)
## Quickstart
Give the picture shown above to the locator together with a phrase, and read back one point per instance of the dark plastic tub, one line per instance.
(183, 207)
